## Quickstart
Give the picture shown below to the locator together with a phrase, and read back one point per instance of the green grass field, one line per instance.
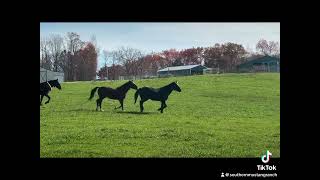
(227, 115)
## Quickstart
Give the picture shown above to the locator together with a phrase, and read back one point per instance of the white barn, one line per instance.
(47, 75)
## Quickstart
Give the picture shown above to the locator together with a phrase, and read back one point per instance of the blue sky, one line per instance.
(156, 37)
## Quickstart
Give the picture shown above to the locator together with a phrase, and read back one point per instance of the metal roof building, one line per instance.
(182, 70)
(261, 64)
(47, 75)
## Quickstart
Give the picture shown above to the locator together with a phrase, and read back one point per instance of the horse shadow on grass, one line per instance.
(82, 110)
(120, 112)
(135, 112)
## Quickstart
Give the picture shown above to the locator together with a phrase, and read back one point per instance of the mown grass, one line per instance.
(227, 115)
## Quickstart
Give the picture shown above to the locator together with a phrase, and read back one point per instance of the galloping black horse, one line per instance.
(160, 94)
(119, 93)
(46, 87)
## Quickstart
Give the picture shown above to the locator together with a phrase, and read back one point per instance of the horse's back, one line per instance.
(108, 92)
(106, 89)
(149, 93)
(148, 90)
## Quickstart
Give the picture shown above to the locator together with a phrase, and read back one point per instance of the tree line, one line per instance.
(78, 59)
(69, 54)
(127, 61)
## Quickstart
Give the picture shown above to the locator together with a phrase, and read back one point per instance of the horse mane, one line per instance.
(169, 85)
(122, 86)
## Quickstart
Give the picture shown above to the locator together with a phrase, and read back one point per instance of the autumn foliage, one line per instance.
(78, 59)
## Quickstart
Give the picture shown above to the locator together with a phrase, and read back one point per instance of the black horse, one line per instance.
(46, 87)
(160, 94)
(119, 93)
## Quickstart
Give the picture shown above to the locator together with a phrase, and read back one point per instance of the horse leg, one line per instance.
(163, 105)
(98, 104)
(141, 105)
(41, 100)
(121, 102)
(48, 98)
(120, 105)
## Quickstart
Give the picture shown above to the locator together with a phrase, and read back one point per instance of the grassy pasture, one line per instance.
(226, 115)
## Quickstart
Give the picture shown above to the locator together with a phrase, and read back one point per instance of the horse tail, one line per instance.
(136, 96)
(92, 92)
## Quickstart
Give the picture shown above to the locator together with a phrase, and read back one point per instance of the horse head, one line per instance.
(176, 86)
(132, 85)
(55, 83)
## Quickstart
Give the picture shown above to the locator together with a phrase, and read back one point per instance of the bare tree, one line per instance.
(114, 70)
(73, 42)
(108, 58)
(45, 54)
(62, 63)
(127, 57)
(94, 42)
(141, 66)
(56, 48)
(268, 48)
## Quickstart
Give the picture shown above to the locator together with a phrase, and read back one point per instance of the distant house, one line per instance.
(261, 64)
(47, 75)
(181, 70)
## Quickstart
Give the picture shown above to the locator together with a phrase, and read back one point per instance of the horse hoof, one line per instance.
(101, 110)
